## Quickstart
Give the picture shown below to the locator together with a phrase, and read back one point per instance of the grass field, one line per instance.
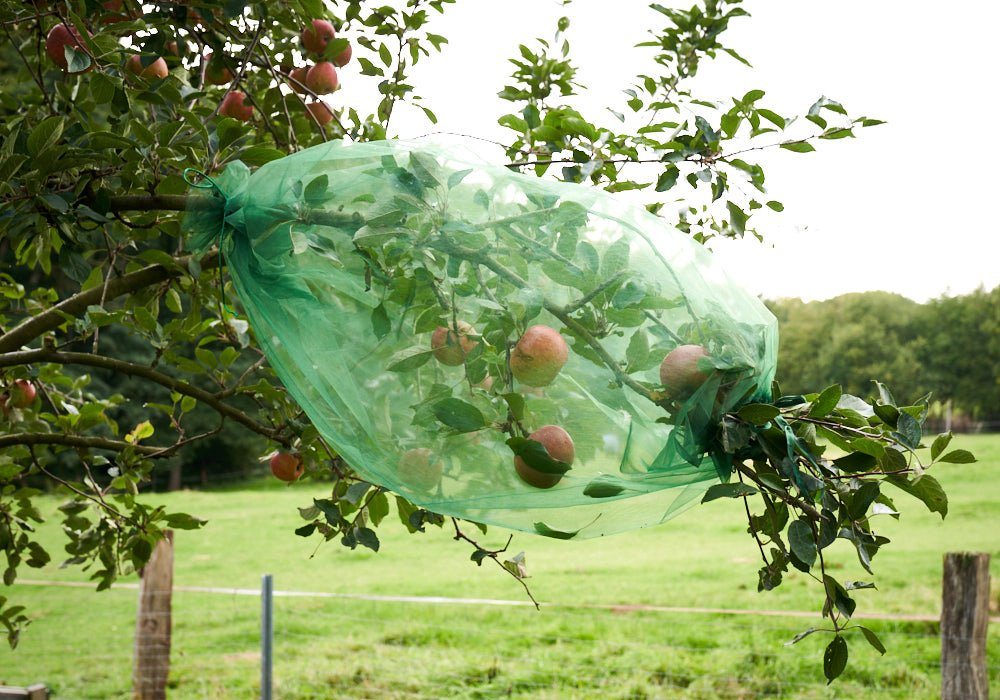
(81, 642)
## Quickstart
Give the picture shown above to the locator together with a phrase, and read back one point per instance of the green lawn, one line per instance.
(81, 642)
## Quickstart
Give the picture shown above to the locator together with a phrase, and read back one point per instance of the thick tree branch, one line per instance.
(11, 439)
(90, 360)
(50, 319)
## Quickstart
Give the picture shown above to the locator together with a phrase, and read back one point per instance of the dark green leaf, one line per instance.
(959, 457)
(758, 413)
(380, 321)
(603, 487)
(734, 489)
(909, 429)
(826, 401)
(800, 539)
(183, 521)
(835, 658)
(927, 489)
(873, 639)
(546, 531)
(855, 462)
(409, 359)
(460, 415)
(536, 456)
(940, 445)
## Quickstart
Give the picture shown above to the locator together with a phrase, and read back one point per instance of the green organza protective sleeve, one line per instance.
(347, 258)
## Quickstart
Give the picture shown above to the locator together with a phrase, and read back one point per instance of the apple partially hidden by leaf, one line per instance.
(543, 457)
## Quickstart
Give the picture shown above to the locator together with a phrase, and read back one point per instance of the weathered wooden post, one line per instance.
(964, 619)
(152, 624)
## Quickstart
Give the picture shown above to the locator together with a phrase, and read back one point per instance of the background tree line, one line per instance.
(949, 346)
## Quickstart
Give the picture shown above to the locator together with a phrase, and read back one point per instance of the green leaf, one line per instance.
(455, 178)
(604, 486)
(458, 414)
(45, 135)
(826, 401)
(800, 636)
(940, 444)
(855, 462)
(380, 321)
(800, 539)
(546, 531)
(737, 218)
(259, 155)
(909, 429)
(835, 658)
(366, 537)
(758, 413)
(798, 146)
(927, 489)
(409, 359)
(515, 402)
(638, 350)
(183, 521)
(77, 60)
(536, 456)
(667, 179)
(873, 639)
(735, 489)
(959, 457)
(306, 530)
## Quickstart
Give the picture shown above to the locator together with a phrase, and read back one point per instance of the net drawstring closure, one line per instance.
(202, 181)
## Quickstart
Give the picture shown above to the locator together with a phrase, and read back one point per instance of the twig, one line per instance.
(494, 554)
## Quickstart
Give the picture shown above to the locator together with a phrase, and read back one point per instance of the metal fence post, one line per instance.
(266, 636)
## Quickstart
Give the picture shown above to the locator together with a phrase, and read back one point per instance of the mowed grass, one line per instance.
(80, 643)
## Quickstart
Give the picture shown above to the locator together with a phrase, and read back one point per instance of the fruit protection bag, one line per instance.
(493, 346)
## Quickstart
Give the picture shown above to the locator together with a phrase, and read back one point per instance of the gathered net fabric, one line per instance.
(348, 259)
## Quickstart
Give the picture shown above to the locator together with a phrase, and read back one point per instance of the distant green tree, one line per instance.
(850, 340)
(960, 351)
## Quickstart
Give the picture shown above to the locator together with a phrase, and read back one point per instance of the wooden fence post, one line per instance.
(964, 619)
(152, 624)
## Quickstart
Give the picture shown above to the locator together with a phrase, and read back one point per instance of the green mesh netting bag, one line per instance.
(491, 345)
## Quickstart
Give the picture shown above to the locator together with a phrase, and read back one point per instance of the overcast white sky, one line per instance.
(907, 207)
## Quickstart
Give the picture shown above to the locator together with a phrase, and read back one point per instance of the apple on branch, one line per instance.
(538, 356)
(451, 346)
(680, 373)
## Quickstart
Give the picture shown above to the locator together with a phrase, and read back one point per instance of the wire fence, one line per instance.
(361, 646)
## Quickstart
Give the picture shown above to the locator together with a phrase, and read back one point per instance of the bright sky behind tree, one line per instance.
(906, 207)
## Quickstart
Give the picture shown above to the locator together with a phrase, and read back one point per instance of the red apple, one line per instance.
(297, 79)
(321, 111)
(322, 78)
(538, 356)
(679, 371)
(451, 346)
(22, 393)
(59, 37)
(344, 57)
(233, 106)
(155, 70)
(216, 73)
(316, 37)
(418, 469)
(558, 444)
(286, 466)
